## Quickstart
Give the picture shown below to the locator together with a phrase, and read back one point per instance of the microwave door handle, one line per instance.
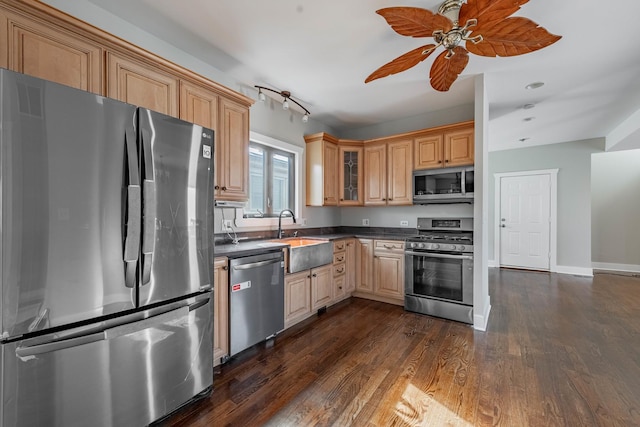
(463, 189)
(437, 255)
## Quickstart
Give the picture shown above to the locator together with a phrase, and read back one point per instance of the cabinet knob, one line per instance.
(225, 268)
(314, 275)
(309, 276)
(339, 287)
(439, 161)
(217, 187)
(391, 200)
(446, 161)
(224, 188)
(384, 200)
(342, 200)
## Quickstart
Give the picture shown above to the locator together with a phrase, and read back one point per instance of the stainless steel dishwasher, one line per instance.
(256, 302)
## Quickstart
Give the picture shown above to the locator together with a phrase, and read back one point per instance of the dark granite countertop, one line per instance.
(261, 245)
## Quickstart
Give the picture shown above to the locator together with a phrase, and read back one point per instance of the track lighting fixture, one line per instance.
(286, 97)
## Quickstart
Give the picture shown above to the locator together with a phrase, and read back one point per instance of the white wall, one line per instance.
(573, 159)
(615, 210)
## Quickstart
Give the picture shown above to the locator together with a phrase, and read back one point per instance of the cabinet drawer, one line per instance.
(339, 269)
(389, 245)
(339, 257)
(339, 245)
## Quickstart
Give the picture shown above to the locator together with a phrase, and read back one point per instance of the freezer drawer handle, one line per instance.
(26, 352)
(255, 264)
(131, 328)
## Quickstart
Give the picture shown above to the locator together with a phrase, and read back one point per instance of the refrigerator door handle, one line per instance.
(32, 351)
(133, 220)
(151, 322)
(148, 202)
(149, 237)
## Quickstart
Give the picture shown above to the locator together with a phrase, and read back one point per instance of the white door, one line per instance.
(525, 221)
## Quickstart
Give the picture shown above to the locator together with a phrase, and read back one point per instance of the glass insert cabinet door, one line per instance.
(350, 168)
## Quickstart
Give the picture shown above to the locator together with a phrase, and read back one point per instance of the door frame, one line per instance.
(553, 213)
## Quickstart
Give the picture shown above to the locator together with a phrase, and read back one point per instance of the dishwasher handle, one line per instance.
(256, 264)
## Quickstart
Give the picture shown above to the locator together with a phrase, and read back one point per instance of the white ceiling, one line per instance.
(322, 51)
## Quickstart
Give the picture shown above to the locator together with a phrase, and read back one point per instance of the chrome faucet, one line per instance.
(293, 216)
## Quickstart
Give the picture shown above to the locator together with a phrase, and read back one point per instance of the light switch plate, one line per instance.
(404, 223)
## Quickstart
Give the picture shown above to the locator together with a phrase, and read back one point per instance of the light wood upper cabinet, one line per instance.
(43, 51)
(446, 147)
(232, 174)
(199, 105)
(322, 170)
(375, 167)
(459, 147)
(133, 82)
(399, 173)
(350, 166)
(388, 173)
(220, 310)
(428, 151)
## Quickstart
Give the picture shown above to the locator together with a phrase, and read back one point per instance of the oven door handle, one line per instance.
(437, 255)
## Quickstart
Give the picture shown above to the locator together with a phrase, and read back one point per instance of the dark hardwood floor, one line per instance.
(560, 350)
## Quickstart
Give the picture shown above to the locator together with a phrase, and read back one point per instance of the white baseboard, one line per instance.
(629, 268)
(492, 263)
(480, 321)
(577, 271)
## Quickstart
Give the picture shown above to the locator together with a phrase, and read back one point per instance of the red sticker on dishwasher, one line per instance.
(241, 286)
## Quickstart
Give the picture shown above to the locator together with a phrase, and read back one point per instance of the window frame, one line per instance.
(297, 152)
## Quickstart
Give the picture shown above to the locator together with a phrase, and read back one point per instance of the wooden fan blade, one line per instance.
(414, 21)
(486, 11)
(510, 37)
(403, 62)
(445, 71)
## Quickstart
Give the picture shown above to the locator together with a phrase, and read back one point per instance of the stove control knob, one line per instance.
(421, 245)
(461, 248)
(435, 246)
(452, 247)
(412, 245)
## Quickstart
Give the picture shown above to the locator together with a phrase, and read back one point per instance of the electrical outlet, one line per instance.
(404, 223)
(303, 221)
(365, 222)
(226, 224)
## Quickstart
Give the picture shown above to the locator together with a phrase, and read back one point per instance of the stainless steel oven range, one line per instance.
(439, 269)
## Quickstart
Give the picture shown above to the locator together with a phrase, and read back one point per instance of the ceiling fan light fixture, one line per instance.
(529, 119)
(305, 118)
(462, 27)
(534, 85)
(524, 139)
(528, 106)
(261, 96)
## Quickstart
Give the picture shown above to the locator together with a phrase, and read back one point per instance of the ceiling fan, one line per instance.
(486, 27)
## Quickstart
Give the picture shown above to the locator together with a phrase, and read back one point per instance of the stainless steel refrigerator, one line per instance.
(106, 258)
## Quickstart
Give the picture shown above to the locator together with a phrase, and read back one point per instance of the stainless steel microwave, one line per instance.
(447, 185)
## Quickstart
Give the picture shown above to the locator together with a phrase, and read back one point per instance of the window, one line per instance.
(275, 178)
(271, 181)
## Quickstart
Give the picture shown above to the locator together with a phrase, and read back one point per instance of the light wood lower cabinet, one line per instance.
(220, 310)
(297, 297)
(388, 269)
(321, 287)
(380, 270)
(364, 265)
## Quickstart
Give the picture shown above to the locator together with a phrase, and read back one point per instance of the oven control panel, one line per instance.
(439, 247)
